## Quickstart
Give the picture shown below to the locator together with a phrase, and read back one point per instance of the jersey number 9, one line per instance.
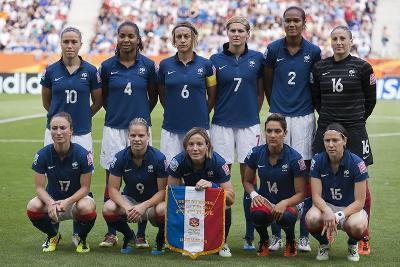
(140, 188)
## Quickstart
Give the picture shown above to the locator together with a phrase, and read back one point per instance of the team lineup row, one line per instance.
(295, 82)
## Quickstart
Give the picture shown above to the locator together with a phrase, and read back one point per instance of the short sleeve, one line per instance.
(269, 57)
(117, 166)
(39, 164)
(103, 74)
(223, 172)
(298, 167)
(152, 72)
(211, 74)
(315, 170)
(160, 74)
(86, 159)
(162, 167)
(251, 159)
(360, 171)
(175, 168)
(46, 79)
(95, 79)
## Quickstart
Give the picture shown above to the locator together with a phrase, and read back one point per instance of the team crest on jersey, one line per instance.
(84, 76)
(36, 159)
(200, 71)
(75, 165)
(150, 168)
(346, 173)
(252, 63)
(284, 168)
(142, 70)
(210, 173)
(302, 164)
(174, 165)
(352, 73)
(307, 59)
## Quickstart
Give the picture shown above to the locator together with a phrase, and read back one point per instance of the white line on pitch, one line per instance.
(384, 134)
(20, 118)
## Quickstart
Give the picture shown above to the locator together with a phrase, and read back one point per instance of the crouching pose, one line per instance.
(338, 183)
(142, 168)
(68, 168)
(282, 173)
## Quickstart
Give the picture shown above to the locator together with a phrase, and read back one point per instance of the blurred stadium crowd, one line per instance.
(34, 25)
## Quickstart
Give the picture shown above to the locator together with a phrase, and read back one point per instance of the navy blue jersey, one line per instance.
(140, 181)
(291, 93)
(276, 181)
(127, 90)
(64, 177)
(71, 93)
(215, 169)
(237, 100)
(338, 188)
(185, 104)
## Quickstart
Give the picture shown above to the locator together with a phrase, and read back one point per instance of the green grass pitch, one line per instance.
(20, 242)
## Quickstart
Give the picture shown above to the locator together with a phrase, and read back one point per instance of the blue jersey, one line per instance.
(140, 181)
(276, 181)
(71, 93)
(338, 188)
(185, 104)
(237, 100)
(291, 93)
(215, 169)
(64, 176)
(127, 90)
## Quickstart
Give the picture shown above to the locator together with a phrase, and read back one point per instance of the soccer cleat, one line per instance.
(82, 247)
(110, 240)
(75, 240)
(263, 249)
(225, 251)
(127, 246)
(353, 253)
(248, 245)
(364, 246)
(290, 248)
(323, 253)
(158, 249)
(275, 243)
(51, 243)
(304, 244)
(141, 242)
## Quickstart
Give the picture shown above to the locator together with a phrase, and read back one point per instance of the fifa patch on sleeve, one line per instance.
(36, 159)
(165, 164)
(43, 76)
(225, 167)
(89, 157)
(266, 53)
(98, 76)
(362, 168)
(113, 162)
(174, 164)
(302, 165)
(372, 79)
(312, 164)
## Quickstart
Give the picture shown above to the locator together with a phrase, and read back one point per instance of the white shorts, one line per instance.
(84, 140)
(337, 209)
(69, 212)
(300, 134)
(171, 144)
(226, 140)
(114, 140)
(145, 215)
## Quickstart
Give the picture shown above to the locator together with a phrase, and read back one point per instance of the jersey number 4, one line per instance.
(128, 89)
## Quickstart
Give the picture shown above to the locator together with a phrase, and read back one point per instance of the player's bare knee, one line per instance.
(85, 205)
(109, 206)
(313, 220)
(160, 209)
(35, 204)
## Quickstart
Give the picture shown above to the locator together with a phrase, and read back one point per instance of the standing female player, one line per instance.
(68, 169)
(282, 173)
(338, 182)
(199, 166)
(142, 168)
(240, 95)
(68, 85)
(344, 91)
(129, 91)
(287, 83)
(187, 89)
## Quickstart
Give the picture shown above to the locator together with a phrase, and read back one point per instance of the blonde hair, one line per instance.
(202, 132)
(141, 122)
(193, 31)
(240, 20)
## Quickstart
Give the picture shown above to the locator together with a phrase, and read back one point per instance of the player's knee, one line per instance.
(160, 209)
(35, 204)
(85, 205)
(261, 216)
(109, 206)
(313, 221)
(356, 228)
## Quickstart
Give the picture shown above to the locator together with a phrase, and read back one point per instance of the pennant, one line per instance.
(195, 220)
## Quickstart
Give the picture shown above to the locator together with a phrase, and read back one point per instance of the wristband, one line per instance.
(340, 218)
(214, 185)
(253, 194)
